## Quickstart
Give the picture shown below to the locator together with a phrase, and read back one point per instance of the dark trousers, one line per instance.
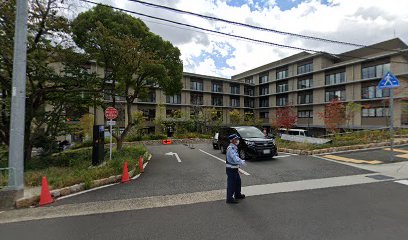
(233, 183)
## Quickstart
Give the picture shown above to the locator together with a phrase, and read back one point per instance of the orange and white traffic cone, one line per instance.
(125, 175)
(141, 164)
(45, 197)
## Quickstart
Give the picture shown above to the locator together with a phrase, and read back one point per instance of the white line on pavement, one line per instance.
(281, 156)
(405, 182)
(293, 154)
(1, 212)
(90, 190)
(242, 171)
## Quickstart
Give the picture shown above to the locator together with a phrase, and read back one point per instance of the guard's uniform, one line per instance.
(233, 179)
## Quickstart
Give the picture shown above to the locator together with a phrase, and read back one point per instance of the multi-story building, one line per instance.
(304, 80)
(309, 81)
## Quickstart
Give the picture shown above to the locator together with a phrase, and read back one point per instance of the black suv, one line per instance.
(252, 144)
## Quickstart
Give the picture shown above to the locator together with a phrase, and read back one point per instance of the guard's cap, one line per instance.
(232, 137)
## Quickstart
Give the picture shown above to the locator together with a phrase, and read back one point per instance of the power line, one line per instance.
(230, 35)
(259, 28)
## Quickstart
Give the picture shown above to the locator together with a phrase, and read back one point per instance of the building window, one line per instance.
(305, 98)
(217, 100)
(249, 102)
(234, 102)
(340, 94)
(196, 99)
(375, 112)
(151, 97)
(280, 74)
(376, 71)
(264, 115)
(263, 79)
(305, 68)
(249, 80)
(175, 99)
(264, 102)
(305, 114)
(282, 87)
(217, 87)
(197, 85)
(281, 100)
(371, 92)
(149, 114)
(305, 83)
(335, 78)
(249, 91)
(264, 90)
(234, 89)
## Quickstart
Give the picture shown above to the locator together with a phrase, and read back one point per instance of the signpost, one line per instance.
(111, 113)
(391, 82)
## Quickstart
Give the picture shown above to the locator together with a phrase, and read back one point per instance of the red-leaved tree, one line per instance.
(285, 117)
(333, 115)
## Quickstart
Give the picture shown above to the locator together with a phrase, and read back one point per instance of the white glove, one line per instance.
(243, 163)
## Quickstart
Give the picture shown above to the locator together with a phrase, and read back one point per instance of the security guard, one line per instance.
(233, 178)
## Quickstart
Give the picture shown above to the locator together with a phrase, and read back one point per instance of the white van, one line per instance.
(294, 132)
(300, 135)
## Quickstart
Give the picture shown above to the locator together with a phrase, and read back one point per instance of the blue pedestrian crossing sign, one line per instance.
(389, 81)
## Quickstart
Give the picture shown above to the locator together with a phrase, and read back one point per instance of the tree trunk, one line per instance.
(119, 143)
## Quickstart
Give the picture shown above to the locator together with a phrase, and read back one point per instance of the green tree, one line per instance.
(135, 57)
(235, 117)
(58, 83)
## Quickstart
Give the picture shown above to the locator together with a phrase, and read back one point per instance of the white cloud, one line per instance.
(360, 21)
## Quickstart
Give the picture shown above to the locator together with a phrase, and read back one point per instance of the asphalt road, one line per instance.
(381, 154)
(199, 172)
(368, 211)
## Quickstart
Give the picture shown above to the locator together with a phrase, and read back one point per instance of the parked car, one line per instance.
(215, 141)
(300, 135)
(253, 142)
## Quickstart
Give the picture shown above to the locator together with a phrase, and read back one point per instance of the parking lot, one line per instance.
(371, 156)
(201, 168)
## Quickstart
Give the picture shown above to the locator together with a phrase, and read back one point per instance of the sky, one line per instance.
(358, 21)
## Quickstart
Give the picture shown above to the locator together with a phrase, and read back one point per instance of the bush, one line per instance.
(74, 166)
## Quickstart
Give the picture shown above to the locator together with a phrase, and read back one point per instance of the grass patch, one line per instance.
(71, 167)
(346, 139)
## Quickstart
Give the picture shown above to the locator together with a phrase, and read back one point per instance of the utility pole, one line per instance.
(18, 99)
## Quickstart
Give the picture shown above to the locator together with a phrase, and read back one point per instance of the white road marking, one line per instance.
(281, 156)
(1, 212)
(293, 154)
(242, 171)
(175, 154)
(405, 182)
(89, 190)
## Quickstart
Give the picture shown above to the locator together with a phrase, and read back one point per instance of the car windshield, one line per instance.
(250, 132)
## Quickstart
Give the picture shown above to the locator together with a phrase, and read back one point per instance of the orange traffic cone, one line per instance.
(45, 197)
(125, 176)
(141, 164)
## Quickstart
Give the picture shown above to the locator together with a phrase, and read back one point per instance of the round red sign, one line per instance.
(111, 113)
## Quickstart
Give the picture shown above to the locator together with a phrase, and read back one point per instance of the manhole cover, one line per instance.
(380, 177)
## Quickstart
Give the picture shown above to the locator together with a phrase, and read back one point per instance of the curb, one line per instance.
(33, 201)
(341, 149)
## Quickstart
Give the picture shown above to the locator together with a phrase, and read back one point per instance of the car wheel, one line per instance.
(242, 154)
(222, 149)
